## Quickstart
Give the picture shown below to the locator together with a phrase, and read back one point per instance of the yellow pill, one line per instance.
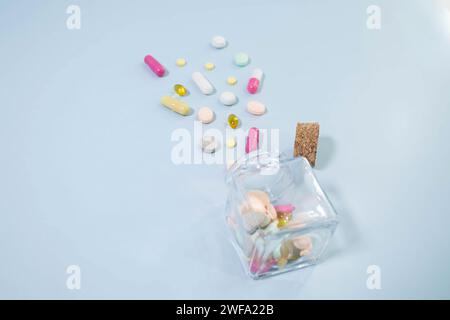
(231, 143)
(233, 121)
(175, 105)
(181, 62)
(231, 81)
(209, 66)
(180, 90)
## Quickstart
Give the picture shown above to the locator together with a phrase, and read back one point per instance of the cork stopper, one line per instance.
(306, 141)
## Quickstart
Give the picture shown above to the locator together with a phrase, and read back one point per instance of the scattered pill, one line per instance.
(231, 81)
(259, 201)
(231, 143)
(252, 140)
(180, 90)
(175, 105)
(228, 98)
(283, 218)
(282, 223)
(205, 115)
(153, 64)
(181, 62)
(233, 121)
(209, 66)
(304, 244)
(256, 108)
(241, 59)
(209, 144)
(255, 81)
(218, 42)
(202, 83)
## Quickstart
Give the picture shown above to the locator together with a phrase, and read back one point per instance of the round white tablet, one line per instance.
(205, 115)
(255, 107)
(219, 42)
(228, 98)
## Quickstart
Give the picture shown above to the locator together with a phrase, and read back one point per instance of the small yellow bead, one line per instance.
(231, 143)
(231, 81)
(209, 66)
(282, 223)
(233, 121)
(180, 90)
(181, 62)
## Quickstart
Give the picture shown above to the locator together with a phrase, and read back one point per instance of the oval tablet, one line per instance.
(181, 62)
(255, 107)
(219, 42)
(228, 98)
(205, 115)
(202, 83)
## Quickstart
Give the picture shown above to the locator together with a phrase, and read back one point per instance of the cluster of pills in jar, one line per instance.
(261, 217)
(205, 114)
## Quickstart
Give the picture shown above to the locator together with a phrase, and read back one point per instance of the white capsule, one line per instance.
(202, 83)
(257, 74)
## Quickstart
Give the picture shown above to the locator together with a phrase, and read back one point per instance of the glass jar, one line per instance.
(280, 218)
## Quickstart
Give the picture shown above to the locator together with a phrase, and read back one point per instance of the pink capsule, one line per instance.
(252, 140)
(286, 208)
(255, 80)
(156, 67)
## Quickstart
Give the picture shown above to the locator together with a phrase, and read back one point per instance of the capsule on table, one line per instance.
(202, 83)
(175, 105)
(252, 140)
(153, 64)
(255, 81)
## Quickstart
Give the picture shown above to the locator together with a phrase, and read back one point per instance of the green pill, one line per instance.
(241, 59)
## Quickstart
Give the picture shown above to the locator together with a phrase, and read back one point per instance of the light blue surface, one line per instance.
(86, 176)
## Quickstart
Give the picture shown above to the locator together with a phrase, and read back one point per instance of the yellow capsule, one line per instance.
(180, 90)
(233, 121)
(176, 105)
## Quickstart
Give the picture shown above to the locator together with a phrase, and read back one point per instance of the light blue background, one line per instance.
(86, 176)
